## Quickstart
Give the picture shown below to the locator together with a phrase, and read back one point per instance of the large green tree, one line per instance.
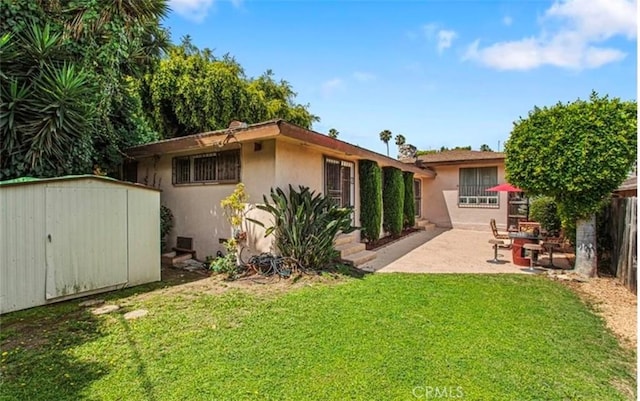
(194, 91)
(70, 82)
(576, 153)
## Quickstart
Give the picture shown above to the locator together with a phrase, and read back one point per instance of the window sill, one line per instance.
(478, 206)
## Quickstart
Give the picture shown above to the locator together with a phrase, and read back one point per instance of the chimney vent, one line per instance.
(237, 124)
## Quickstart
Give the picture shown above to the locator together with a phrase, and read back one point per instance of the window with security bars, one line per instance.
(417, 196)
(339, 181)
(473, 184)
(218, 167)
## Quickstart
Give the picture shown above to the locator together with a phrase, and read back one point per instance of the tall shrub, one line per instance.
(409, 200)
(392, 200)
(544, 210)
(370, 199)
(305, 225)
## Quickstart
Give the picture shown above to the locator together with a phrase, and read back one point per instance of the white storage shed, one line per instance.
(68, 237)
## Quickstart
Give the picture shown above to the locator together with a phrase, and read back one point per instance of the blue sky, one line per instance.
(442, 73)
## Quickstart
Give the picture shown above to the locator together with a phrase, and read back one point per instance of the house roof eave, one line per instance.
(267, 130)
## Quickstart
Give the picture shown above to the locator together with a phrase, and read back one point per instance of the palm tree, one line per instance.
(400, 140)
(385, 136)
(485, 148)
(333, 133)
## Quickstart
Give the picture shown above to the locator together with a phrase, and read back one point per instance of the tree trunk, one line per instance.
(586, 257)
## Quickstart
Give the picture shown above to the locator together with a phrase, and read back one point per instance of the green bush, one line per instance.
(305, 225)
(166, 224)
(544, 210)
(166, 221)
(392, 200)
(227, 264)
(409, 200)
(370, 199)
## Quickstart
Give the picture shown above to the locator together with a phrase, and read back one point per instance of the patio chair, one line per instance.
(551, 244)
(499, 235)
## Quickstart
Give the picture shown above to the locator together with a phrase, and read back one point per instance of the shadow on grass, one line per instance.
(37, 345)
(141, 367)
(36, 362)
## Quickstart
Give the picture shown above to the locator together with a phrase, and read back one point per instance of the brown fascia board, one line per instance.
(323, 141)
(268, 130)
(205, 139)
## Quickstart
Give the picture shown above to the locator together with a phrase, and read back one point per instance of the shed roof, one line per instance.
(34, 180)
(629, 184)
(267, 130)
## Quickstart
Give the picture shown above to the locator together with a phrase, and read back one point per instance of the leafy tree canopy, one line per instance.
(194, 91)
(577, 152)
(70, 90)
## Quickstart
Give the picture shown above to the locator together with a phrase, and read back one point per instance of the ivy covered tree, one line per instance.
(70, 82)
(577, 153)
(371, 199)
(194, 91)
(392, 200)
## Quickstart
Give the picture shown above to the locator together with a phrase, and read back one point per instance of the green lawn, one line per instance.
(383, 337)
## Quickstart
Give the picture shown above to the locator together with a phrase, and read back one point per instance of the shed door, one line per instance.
(86, 239)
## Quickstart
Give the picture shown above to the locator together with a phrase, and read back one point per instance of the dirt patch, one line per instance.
(373, 245)
(193, 283)
(616, 304)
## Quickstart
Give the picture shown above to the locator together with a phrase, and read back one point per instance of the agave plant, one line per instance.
(305, 224)
(46, 112)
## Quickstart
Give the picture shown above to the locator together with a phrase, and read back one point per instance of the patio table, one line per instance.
(518, 253)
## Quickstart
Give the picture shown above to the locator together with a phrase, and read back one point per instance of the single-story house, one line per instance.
(196, 172)
(457, 198)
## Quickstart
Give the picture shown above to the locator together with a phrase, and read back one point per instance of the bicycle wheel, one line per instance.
(244, 255)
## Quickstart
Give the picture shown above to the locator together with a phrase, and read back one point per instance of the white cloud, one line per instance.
(361, 76)
(332, 86)
(445, 38)
(429, 30)
(507, 20)
(194, 10)
(569, 38)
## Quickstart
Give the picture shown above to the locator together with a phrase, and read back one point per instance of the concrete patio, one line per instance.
(439, 250)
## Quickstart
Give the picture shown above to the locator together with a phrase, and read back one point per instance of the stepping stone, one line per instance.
(91, 302)
(105, 309)
(135, 314)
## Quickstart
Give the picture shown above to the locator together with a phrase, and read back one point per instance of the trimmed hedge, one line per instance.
(409, 200)
(392, 200)
(370, 199)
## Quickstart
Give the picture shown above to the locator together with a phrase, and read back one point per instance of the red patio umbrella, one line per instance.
(506, 187)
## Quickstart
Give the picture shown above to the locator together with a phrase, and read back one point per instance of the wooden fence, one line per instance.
(620, 226)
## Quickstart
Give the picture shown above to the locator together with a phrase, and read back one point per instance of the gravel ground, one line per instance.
(616, 304)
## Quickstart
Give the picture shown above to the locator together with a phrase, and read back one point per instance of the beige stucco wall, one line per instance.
(303, 165)
(440, 201)
(196, 208)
